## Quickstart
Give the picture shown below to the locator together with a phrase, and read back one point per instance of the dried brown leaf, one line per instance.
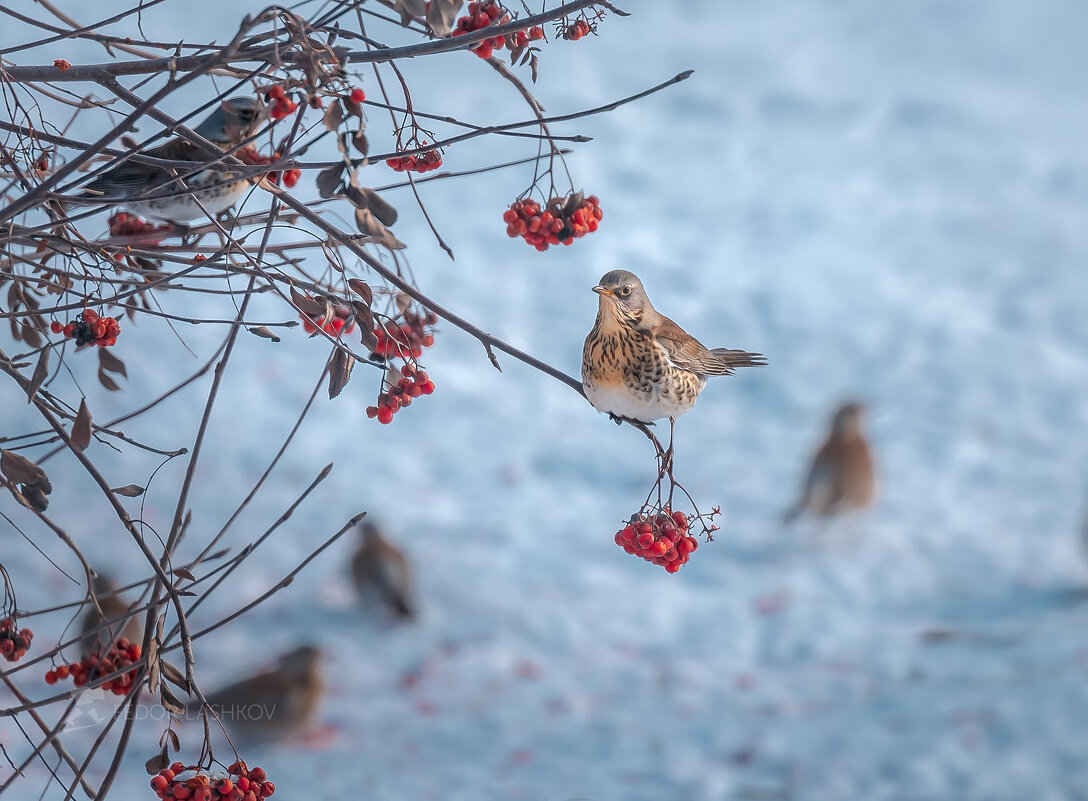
(369, 225)
(328, 181)
(129, 490)
(108, 361)
(362, 289)
(365, 198)
(181, 572)
(81, 428)
(175, 676)
(157, 763)
(31, 335)
(175, 743)
(410, 9)
(169, 701)
(340, 369)
(334, 115)
(307, 304)
(360, 142)
(41, 371)
(107, 382)
(263, 331)
(441, 14)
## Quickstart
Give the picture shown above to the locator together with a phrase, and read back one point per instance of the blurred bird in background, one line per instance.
(114, 612)
(842, 477)
(379, 567)
(274, 704)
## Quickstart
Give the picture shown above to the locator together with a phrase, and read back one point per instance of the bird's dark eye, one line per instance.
(625, 291)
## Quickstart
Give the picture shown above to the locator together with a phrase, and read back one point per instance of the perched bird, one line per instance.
(114, 612)
(841, 477)
(380, 566)
(139, 187)
(272, 704)
(640, 365)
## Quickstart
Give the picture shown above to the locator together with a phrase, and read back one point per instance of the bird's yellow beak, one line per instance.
(600, 290)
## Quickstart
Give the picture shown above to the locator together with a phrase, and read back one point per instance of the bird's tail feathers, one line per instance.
(726, 360)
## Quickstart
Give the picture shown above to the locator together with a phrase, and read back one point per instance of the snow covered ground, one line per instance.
(886, 200)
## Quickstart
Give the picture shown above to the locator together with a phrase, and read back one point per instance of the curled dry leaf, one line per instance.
(20, 470)
(106, 381)
(410, 9)
(108, 361)
(362, 289)
(367, 224)
(81, 428)
(364, 198)
(340, 367)
(328, 182)
(170, 701)
(129, 490)
(334, 115)
(41, 370)
(175, 676)
(157, 763)
(441, 14)
(263, 331)
(307, 304)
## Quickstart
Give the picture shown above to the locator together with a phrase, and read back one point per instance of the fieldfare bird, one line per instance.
(272, 704)
(841, 477)
(114, 612)
(380, 566)
(637, 364)
(154, 191)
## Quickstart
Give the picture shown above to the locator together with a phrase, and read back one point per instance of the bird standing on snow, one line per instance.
(841, 477)
(379, 565)
(275, 703)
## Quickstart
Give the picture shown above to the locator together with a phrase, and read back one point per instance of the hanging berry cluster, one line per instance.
(90, 329)
(560, 221)
(247, 784)
(334, 326)
(398, 391)
(249, 155)
(13, 640)
(282, 105)
(120, 655)
(424, 162)
(405, 339)
(661, 538)
(576, 30)
(124, 224)
(480, 15)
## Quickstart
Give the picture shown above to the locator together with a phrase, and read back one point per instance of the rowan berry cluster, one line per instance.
(424, 162)
(560, 221)
(242, 784)
(13, 640)
(249, 155)
(576, 30)
(119, 656)
(661, 538)
(406, 339)
(282, 105)
(334, 326)
(90, 329)
(480, 15)
(124, 224)
(399, 389)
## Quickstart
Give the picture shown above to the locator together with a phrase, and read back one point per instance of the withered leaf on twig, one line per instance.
(340, 368)
(20, 470)
(31, 336)
(157, 762)
(365, 198)
(334, 115)
(181, 572)
(81, 428)
(362, 289)
(129, 490)
(441, 15)
(41, 370)
(369, 225)
(106, 381)
(172, 736)
(307, 304)
(410, 9)
(328, 181)
(170, 701)
(108, 361)
(175, 676)
(360, 142)
(263, 331)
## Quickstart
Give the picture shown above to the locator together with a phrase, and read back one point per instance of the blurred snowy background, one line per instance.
(888, 200)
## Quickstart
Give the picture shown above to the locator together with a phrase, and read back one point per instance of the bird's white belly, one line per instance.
(182, 208)
(635, 405)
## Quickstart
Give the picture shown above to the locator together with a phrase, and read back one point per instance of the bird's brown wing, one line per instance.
(133, 177)
(688, 353)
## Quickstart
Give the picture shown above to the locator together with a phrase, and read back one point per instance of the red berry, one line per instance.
(182, 791)
(358, 96)
(645, 540)
(159, 783)
(385, 415)
(290, 177)
(267, 789)
(50, 677)
(56, 327)
(63, 672)
(224, 786)
(242, 784)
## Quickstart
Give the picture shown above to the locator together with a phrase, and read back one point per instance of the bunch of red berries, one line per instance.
(13, 640)
(576, 30)
(424, 162)
(407, 339)
(89, 329)
(333, 326)
(522, 38)
(401, 389)
(282, 105)
(124, 224)
(120, 655)
(480, 15)
(660, 538)
(561, 220)
(248, 784)
(249, 155)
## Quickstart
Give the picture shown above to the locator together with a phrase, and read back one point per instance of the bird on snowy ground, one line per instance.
(380, 567)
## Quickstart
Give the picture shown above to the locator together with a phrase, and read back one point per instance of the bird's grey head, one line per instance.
(370, 531)
(301, 661)
(234, 120)
(103, 585)
(847, 419)
(623, 289)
